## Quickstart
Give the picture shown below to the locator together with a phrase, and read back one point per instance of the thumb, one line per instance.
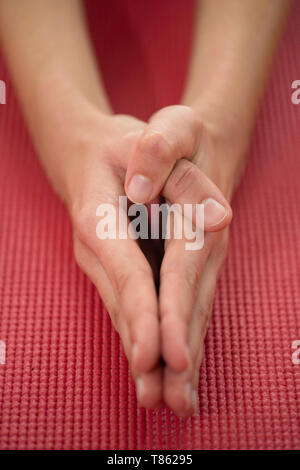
(172, 133)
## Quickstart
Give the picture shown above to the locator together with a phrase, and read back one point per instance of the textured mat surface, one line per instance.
(65, 383)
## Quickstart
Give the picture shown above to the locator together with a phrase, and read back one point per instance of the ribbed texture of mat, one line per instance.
(66, 384)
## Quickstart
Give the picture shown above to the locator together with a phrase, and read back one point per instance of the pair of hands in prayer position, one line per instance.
(186, 154)
(176, 155)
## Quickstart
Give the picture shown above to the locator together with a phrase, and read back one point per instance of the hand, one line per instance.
(95, 174)
(87, 165)
(157, 165)
(187, 278)
(94, 160)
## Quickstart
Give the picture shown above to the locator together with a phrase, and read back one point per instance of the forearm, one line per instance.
(52, 66)
(234, 45)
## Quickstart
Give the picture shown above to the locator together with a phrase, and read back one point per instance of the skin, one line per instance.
(91, 156)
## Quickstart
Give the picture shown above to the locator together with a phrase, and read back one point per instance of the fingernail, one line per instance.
(140, 189)
(214, 212)
(195, 400)
(140, 387)
(188, 394)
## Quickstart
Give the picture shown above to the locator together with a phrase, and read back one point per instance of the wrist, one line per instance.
(223, 117)
(63, 143)
(224, 143)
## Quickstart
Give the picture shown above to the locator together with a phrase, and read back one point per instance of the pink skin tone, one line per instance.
(92, 156)
(150, 327)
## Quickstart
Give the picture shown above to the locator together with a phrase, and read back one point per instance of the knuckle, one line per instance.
(190, 117)
(121, 279)
(129, 138)
(190, 114)
(155, 144)
(83, 222)
(196, 123)
(169, 275)
(192, 277)
(125, 278)
(182, 178)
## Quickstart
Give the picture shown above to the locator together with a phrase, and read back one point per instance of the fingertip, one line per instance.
(216, 215)
(149, 389)
(179, 395)
(146, 351)
(177, 359)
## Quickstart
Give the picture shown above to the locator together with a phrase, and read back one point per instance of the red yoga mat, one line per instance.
(65, 383)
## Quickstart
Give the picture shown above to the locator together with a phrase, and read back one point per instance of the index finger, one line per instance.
(132, 280)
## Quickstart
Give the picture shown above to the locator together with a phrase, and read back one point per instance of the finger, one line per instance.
(204, 303)
(149, 388)
(179, 283)
(187, 184)
(178, 393)
(172, 133)
(132, 281)
(187, 382)
(181, 388)
(179, 291)
(149, 385)
(89, 263)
